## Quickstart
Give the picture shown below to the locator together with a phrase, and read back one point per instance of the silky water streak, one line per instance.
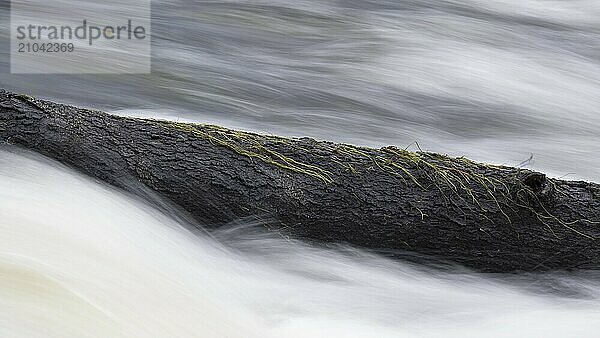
(81, 259)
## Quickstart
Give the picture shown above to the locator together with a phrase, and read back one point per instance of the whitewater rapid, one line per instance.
(81, 259)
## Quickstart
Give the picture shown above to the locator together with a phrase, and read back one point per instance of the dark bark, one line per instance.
(489, 218)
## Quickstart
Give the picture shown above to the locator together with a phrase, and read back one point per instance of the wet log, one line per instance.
(390, 200)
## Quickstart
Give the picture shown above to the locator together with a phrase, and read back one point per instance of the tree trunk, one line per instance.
(489, 218)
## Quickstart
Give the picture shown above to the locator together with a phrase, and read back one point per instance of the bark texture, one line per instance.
(489, 218)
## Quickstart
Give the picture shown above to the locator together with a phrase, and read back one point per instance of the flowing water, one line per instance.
(496, 81)
(79, 259)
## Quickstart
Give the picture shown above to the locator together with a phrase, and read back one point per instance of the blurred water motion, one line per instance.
(80, 259)
(494, 81)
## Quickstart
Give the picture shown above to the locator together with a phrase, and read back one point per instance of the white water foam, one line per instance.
(80, 259)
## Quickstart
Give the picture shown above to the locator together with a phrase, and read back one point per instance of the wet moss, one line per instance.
(251, 145)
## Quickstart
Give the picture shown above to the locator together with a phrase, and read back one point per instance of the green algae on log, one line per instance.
(390, 200)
